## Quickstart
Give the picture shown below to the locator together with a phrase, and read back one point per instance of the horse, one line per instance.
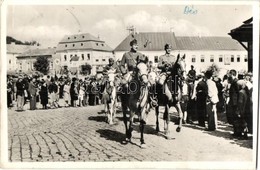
(174, 83)
(134, 97)
(109, 95)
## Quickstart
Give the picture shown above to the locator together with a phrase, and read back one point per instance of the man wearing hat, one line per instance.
(129, 59)
(165, 62)
(111, 66)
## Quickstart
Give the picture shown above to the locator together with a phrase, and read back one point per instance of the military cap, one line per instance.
(134, 41)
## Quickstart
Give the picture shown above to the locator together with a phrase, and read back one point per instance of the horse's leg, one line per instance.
(110, 113)
(124, 105)
(141, 126)
(157, 118)
(166, 121)
(107, 111)
(130, 125)
(178, 108)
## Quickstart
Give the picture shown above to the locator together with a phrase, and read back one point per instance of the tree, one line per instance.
(42, 64)
(10, 39)
(86, 69)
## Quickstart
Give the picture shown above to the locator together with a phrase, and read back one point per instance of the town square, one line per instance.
(131, 83)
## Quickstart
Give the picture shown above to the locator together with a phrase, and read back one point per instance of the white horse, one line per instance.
(110, 95)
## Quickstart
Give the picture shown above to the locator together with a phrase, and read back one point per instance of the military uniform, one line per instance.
(165, 62)
(129, 61)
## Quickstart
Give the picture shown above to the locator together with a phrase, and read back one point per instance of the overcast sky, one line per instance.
(48, 24)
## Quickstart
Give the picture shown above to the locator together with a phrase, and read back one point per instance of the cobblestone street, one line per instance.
(81, 134)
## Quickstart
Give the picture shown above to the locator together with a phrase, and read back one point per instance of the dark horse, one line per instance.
(134, 98)
(174, 82)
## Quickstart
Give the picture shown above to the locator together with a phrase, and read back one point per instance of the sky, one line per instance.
(48, 24)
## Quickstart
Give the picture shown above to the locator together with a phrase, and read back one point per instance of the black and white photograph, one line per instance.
(129, 85)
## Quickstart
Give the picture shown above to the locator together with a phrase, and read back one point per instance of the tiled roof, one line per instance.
(155, 41)
(18, 49)
(149, 41)
(38, 52)
(82, 42)
(80, 37)
(208, 43)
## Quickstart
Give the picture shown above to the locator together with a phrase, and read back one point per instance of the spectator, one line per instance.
(201, 93)
(53, 89)
(240, 125)
(9, 92)
(66, 93)
(44, 95)
(74, 92)
(61, 87)
(32, 89)
(20, 93)
(233, 96)
(212, 101)
(192, 73)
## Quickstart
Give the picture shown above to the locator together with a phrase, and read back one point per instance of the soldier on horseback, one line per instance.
(168, 88)
(134, 94)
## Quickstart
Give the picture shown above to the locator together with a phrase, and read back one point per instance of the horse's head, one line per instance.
(142, 71)
(111, 75)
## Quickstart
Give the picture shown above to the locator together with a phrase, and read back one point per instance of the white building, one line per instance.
(79, 49)
(13, 50)
(25, 60)
(201, 52)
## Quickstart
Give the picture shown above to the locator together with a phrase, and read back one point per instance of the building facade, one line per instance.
(80, 49)
(201, 52)
(13, 50)
(25, 60)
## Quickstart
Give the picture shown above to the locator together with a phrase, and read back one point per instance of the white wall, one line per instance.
(198, 65)
(97, 59)
(11, 58)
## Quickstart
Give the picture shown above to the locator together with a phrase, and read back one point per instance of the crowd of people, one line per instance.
(204, 95)
(48, 91)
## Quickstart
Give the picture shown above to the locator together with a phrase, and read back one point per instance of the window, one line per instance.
(238, 58)
(193, 59)
(83, 36)
(220, 59)
(102, 44)
(21, 66)
(10, 61)
(65, 58)
(97, 44)
(75, 37)
(232, 58)
(68, 38)
(66, 45)
(73, 45)
(202, 58)
(28, 66)
(103, 59)
(81, 44)
(82, 56)
(88, 56)
(212, 58)
(245, 59)
(97, 60)
(155, 59)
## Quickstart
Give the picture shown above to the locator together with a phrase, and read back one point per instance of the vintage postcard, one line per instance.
(129, 85)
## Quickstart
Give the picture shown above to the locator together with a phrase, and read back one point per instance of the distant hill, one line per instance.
(10, 39)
